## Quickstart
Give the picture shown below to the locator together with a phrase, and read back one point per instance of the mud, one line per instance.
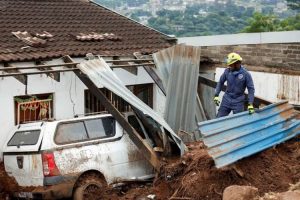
(7, 184)
(194, 176)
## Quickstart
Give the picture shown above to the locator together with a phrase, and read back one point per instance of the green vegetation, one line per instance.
(198, 19)
(293, 4)
(269, 23)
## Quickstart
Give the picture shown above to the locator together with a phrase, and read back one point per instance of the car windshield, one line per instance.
(21, 138)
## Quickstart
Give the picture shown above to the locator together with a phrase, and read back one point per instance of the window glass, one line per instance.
(70, 132)
(100, 128)
(24, 138)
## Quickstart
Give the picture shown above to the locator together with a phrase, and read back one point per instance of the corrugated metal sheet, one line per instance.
(206, 94)
(101, 74)
(237, 136)
(178, 68)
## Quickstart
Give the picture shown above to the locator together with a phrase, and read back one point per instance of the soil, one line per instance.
(194, 176)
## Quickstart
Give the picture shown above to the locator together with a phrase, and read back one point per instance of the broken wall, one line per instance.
(285, 56)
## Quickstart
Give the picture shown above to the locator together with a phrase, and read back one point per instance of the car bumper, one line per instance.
(59, 188)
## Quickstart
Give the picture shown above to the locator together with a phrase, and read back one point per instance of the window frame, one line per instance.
(85, 128)
(18, 131)
(40, 96)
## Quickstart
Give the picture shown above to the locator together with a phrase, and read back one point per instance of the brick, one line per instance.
(277, 60)
(292, 55)
(276, 51)
(296, 51)
(292, 47)
(287, 51)
(293, 60)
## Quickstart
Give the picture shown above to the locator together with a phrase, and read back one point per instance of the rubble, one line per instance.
(195, 176)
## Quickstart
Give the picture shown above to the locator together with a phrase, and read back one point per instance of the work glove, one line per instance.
(217, 100)
(250, 109)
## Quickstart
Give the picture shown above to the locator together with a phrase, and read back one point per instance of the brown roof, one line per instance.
(66, 19)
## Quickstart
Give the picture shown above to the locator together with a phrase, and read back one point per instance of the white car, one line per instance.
(69, 158)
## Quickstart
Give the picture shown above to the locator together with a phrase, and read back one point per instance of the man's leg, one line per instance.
(238, 107)
(224, 109)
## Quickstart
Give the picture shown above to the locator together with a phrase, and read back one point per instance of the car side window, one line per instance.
(70, 132)
(100, 128)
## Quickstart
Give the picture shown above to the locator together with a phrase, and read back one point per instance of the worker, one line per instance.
(238, 79)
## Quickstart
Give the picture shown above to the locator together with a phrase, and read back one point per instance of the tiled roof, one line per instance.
(65, 19)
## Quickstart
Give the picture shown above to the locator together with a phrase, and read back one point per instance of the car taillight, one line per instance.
(49, 166)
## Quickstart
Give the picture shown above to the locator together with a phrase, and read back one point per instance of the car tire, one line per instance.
(90, 186)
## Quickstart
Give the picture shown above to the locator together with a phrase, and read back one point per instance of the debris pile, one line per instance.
(196, 177)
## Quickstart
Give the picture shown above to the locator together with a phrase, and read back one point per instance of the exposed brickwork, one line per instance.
(268, 55)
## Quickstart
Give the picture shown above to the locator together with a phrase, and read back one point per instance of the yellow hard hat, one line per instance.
(232, 58)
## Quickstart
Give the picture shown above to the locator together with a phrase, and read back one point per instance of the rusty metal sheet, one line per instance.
(178, 68)
(237, 136)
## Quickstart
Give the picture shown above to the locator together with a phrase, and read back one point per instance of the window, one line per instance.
(33, 108)
(24, 138)
(100, 128)
(144, 92)
(70, 132)
(85, 130)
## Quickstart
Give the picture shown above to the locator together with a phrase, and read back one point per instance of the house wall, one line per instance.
(68, 93)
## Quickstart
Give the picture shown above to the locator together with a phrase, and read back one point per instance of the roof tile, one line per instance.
(66, 18)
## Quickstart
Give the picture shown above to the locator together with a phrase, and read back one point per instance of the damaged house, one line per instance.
(36, 35)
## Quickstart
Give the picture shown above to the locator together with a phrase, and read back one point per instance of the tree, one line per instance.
(293, 4)
(261, 23)
(269, 23)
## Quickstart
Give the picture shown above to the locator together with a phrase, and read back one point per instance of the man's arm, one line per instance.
(220, 83)
(250, 88)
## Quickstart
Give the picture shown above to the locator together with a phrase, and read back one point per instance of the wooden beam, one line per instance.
(35, 73)
(55, 76)
(152, 73)
(19, 77)
(141, 144)
(71, 65)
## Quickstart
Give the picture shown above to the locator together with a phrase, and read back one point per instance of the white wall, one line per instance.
(68, 93)
(243, 38)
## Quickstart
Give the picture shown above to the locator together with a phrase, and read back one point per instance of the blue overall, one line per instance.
(234, 98)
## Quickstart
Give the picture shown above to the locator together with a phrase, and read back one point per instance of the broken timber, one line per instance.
(152, 73)
(142, 145)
